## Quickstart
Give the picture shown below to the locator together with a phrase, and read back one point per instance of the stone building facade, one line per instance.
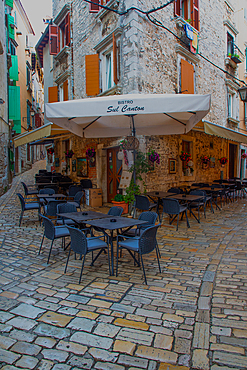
(177, 50)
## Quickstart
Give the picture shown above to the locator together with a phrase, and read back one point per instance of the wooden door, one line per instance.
(232, 160)
(114, 171)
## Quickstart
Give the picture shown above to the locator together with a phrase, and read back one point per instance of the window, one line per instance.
(230, 44)
(102, 69)
(187, 148)
(231, 105)
(94, 8)
(28, 76)
(63, 91)
(28, 116)
(59, 36)
(189, 10)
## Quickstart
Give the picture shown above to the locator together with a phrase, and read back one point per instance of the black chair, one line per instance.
(150, 217)
(174, 209)
(174, 190)
(65, 208)
(87, 184)
(143, 244)
(82, 245)
(77, 199)
(49, 191)
(54, 187)
(52, 233)
(73, 189)
(27, 206)
(198, 203)
(50, 210)
(142, 203)
(113, 211)
(29, 192)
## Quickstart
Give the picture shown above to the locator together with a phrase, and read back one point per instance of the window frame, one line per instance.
(191, 14)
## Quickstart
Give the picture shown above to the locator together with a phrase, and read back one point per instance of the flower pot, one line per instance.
(122, 204)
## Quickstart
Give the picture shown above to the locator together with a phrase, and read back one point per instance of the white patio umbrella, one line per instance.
(116, 115)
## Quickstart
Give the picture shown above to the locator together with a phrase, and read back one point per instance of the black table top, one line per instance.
(47, 196)
(159, 194)
(188, 197)
(82, 217)
(121, 222)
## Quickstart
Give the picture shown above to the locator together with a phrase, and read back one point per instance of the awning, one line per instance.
(115, 116)
(227, 133)
(48, 130)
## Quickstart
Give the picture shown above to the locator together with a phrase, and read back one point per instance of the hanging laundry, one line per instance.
(189, 31)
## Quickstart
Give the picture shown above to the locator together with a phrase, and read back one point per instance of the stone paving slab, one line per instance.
(192, 315)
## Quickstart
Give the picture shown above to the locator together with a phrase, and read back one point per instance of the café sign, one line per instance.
(125, 106)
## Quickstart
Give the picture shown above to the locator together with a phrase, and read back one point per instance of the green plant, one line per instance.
(131, 190)
(119, 198)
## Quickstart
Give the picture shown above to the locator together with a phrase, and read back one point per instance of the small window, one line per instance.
(189, 10)
(230, 44)
(109, 68)
(231, 105)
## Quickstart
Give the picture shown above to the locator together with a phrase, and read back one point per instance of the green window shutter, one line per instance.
(11, 29)
(9, 3)
(15, 106)
(13, 71)
(11, 160)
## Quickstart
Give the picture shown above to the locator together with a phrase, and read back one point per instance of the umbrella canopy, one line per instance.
(112, 116)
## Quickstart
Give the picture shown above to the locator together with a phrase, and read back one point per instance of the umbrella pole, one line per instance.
(134, 151)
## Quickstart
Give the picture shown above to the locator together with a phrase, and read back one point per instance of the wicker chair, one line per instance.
(142, 203)
(143, 244)
(150, 217)
(173, 208)
(198, 203)
(46, 191)
(50, 210)
(27, 206)
(82, 245)
(29, 192)
(52, 233)
(77, 199)
(65, 208)
(174, 190)
(73, 189)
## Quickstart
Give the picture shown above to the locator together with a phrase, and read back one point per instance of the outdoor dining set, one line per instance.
(90, 231)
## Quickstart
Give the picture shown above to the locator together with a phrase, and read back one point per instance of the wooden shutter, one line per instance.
(13, 71)
(53, 39)
(195, 14)
(67, 29)
(187, 77)
(11, 27)
(94, 8)
(65, 91)
(177, 8)
(92, 74)
(52, 94)
(115, 60)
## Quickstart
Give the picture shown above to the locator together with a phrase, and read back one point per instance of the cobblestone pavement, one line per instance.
(191, 316)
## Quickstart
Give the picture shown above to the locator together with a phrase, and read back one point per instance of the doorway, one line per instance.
(232, 157)
(16, 160)
(114, 171)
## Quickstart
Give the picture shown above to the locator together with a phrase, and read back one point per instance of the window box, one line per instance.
(236, 59)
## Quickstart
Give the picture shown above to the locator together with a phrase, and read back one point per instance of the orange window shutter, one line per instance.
(177, 8)
(53, 39)
(195, 14)
(94, 8)
(65, 91)
(67, 29)
(187, 77)
(115, 64)
(92, 74)
(52, 94)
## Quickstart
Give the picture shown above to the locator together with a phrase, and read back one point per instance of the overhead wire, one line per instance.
(157, 23)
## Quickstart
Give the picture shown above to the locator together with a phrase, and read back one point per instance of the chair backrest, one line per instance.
(148, 216)
(42, 171)
(147, 241)
(239, 186)
(54, 187)
(86, 183)
(66, 208)
(115, 211)
(22, 201)
(78, 240)
(49, 230)
(51, 208)
(25, 188)
(199, 192)
(47, 191)
(73, 189)
(78, 197)
(174, 190)
(171, 206)
(142, 202)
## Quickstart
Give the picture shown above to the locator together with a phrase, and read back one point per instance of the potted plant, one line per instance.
(69, 153)
(205, 161)
(119, 201)
(90, 155)
(223, 161)
(50, 151)
(153, 157)
(244, 156)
